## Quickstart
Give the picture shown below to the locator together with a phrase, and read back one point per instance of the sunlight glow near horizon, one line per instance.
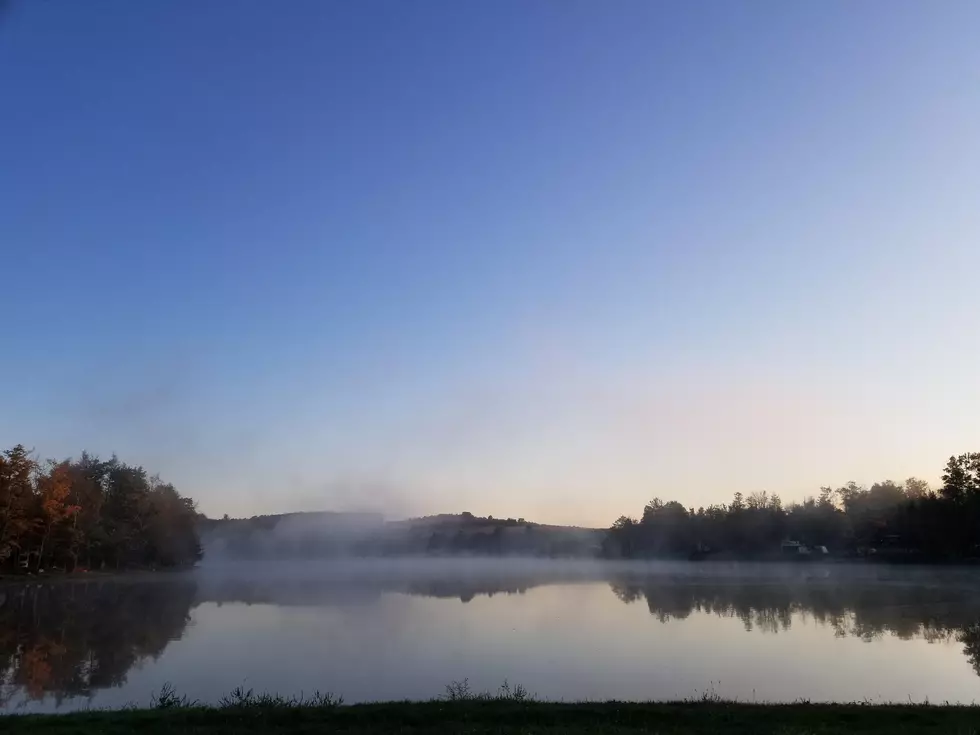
(544, 259)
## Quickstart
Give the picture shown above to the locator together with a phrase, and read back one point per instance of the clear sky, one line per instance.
(537, 258)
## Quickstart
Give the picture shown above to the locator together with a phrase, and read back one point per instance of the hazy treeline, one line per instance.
(287, 535)
(907, 519)
(467, 534)
(90, 513)
(333, 535)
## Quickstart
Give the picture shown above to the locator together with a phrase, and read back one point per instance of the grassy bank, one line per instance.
(506, 717)
(514, 713)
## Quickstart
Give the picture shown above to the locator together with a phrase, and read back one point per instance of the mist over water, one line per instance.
(376, 629)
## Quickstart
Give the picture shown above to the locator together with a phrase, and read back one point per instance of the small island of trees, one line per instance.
(89, 513)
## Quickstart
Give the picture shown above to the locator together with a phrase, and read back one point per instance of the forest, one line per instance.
(89, 513)
(890, 520)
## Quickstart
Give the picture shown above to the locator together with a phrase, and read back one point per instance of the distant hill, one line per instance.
(327, 534)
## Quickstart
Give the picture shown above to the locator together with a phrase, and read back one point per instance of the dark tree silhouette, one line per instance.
(889, 520)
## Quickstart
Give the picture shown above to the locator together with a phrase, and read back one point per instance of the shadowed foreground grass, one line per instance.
(509, 717)
(512, 710)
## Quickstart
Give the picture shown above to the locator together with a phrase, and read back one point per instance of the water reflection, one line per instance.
(71, 639)
(349, 593)
(932, 606)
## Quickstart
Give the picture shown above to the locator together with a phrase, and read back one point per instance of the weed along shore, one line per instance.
(510, 710)
(510, 717)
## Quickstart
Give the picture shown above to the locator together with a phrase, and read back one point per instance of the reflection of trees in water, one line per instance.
(352, 591)
(73, 638)
(466, 589)
(969, 636)
(288, 592)
(939, 608)
(865, 611)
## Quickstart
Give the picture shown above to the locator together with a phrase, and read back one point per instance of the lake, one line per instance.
(380, 630)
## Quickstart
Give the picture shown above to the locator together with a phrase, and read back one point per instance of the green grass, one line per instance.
(510, 717)
(510, 710)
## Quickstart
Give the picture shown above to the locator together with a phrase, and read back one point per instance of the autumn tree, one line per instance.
(54, 503)
(16, 495)
(87, 535)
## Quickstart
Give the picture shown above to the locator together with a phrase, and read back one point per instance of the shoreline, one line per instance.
(122, 575)
(275, 715)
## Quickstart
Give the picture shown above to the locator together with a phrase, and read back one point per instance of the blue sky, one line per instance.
(543, 259)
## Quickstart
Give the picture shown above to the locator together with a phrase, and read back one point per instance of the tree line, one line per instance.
(906, 520)
(90, 513)
(331, 535)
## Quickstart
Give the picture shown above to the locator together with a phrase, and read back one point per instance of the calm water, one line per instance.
(404, 630)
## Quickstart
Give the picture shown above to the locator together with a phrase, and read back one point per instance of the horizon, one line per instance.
(934, 488)
(548, 258)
